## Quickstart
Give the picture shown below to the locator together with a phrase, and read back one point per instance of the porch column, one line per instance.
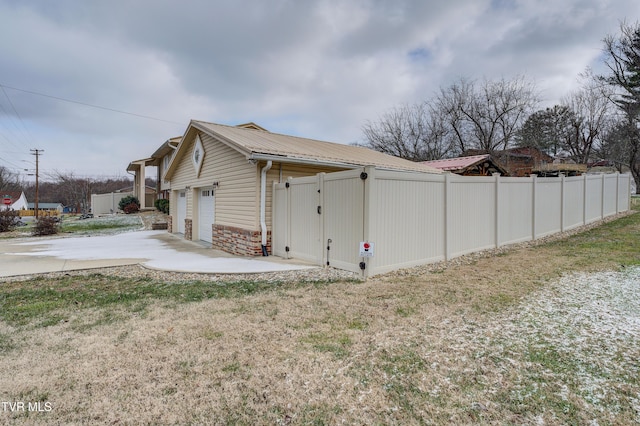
(141, 190)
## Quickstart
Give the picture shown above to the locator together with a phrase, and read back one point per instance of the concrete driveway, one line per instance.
(153, 249)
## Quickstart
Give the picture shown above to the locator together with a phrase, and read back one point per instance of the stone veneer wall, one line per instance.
(170, 224)
(239, 241)
(188, 228)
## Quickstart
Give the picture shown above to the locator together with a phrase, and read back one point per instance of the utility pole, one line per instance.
(37, 153)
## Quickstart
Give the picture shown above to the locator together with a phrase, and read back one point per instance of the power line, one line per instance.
(11, 163)
(26, 131)
(54, 173)
(90, 105)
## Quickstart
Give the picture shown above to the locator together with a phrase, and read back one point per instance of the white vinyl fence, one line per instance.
(412, 218)
(107, 203)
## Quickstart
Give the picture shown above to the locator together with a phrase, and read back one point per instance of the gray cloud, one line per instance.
(318, 69)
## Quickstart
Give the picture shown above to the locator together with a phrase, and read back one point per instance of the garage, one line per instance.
(206, 212)
(182, 210)
(240, 164)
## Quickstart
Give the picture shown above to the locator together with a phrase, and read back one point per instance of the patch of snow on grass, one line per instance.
(583, 332)
(111, 224)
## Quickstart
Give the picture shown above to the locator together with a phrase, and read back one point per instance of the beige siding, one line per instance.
(164, 184)
(182, 178)
(235, 196)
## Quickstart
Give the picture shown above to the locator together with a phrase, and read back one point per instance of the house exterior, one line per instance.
(55, 208)
(160, 159)
(520, 161)
(16, 199)
(474, 165)
(163, 156)
(557, 168)
(222, 177)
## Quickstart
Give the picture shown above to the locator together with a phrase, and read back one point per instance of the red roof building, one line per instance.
(475, 165)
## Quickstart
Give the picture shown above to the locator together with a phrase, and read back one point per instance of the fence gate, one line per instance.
(417, 218)
(320, 218)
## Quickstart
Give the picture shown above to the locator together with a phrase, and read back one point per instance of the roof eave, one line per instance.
(194, 124)
(166, 148)
(256, 156)
(136, 165)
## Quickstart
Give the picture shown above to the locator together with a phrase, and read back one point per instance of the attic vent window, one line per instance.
(198, 155)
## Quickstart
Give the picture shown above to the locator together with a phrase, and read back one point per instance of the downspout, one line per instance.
(263, 206)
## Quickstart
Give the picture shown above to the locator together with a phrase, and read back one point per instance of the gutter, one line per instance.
(263, 206)
(283, 159)
(292, 160)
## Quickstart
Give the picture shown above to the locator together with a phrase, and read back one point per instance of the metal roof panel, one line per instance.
(456, 163)
(294, 147)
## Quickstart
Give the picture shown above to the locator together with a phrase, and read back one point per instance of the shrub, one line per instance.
(129, 204)
(162, 205)
(9, 219)
(46, 225)
(131, 208)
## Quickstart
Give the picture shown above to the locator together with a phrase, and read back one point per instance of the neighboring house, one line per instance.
(518, 162)
(160, 159)
(474, 165)
(557, 169)
(222, 179)
(51, 207)
(15, 200)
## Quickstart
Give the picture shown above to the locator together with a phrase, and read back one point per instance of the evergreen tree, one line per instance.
(623, 59)
(547, 129)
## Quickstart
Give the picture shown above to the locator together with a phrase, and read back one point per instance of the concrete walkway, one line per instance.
(153, 249)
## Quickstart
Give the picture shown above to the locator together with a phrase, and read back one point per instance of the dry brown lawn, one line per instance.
(450, 344)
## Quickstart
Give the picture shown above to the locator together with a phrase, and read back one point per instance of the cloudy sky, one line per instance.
(97, 84)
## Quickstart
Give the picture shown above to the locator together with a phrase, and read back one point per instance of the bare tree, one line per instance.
(9, 181)
(487, 116)
(414, 132)
(466, 115)
(589, 119)
(74, 191)
(617, 146)
(111, 185)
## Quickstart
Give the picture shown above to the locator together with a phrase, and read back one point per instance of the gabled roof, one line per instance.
(138, 164)
(251, 125)
(168, 146)
(45, 206)
(460, 164)
(258, 144)
(457, 163)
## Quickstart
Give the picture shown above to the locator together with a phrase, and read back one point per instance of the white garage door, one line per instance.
(206, 212)
(182, 210)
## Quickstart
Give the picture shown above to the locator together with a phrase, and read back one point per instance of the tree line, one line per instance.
(66, 188)
(599, 121)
